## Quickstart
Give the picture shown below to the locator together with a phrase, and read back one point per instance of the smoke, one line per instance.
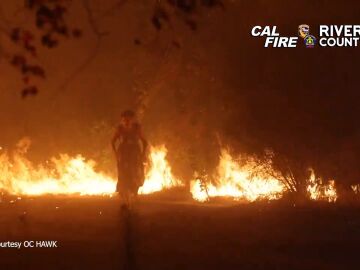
(196, 91)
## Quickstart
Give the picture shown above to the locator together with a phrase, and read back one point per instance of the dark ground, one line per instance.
(179, 235)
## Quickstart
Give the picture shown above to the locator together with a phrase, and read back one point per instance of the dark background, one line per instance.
(195, 91)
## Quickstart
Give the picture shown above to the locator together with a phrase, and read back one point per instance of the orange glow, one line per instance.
(356, 188)
(74, 175)
(238, 180)
(318, 191)
(62, 175)
(159, 176)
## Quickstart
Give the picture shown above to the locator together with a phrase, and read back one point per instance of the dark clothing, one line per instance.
(129, 159)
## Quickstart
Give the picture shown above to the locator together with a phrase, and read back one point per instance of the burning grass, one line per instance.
(242, 178)
(239, 179)
(74, 175)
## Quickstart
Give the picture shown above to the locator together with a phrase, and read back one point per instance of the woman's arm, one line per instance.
(143, 142)
(114, 140)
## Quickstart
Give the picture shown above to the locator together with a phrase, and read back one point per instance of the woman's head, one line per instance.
(127, 118)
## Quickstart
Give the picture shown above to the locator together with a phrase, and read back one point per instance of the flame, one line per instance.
(63, 175)
(73, 175)
(356, 188)
(159, 176)
(239, 180)
(319, 191)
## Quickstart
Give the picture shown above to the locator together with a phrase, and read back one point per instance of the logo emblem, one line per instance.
(303, 30)
(310, 41)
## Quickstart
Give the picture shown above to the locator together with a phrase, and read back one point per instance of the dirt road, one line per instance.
(91, 233)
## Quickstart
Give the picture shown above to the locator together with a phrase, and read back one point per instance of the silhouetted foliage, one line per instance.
(185, 10)
(51, 28)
